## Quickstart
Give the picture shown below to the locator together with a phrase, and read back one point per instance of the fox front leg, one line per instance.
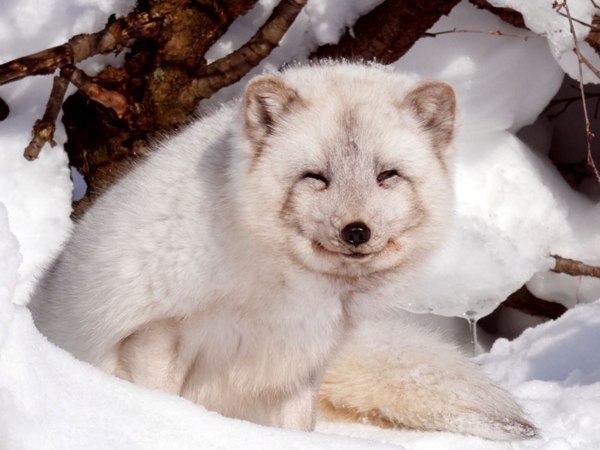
(151, 357)
(297, 411)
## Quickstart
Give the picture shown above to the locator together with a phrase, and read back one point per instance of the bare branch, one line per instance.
(574, 268)
(588, 131)
(490, 33)
(43, 129)
(117, 35)
(110, 99)
(234, 66)
(590, 65)
(580, 22)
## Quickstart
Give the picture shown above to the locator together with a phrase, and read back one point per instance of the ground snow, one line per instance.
(513, 211)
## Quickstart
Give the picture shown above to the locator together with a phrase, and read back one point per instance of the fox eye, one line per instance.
(316, 176)
(386, 175)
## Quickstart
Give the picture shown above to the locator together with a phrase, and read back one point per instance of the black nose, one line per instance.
(356, 233)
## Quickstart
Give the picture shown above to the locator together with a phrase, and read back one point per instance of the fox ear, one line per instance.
(434, 104)
(267, 98)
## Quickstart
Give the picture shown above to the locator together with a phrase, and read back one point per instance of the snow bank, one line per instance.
(554, 370)
(51, 401)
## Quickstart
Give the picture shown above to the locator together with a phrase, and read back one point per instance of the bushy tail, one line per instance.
(397, 375)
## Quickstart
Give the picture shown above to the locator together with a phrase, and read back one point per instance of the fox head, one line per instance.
(347, 169)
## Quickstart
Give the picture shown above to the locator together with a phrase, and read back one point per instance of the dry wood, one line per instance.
(234, 66)
(388, 31)
(110, 99)
(117, 35)
(43, 129)
(574, 268)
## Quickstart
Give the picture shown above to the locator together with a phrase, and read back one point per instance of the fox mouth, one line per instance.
(350, 255)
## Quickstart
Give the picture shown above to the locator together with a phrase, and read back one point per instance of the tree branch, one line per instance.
(43, 129)
(110, 99)
(388, 31)
(234, 66)
(588, 130)
(574, 268)
(116, 35)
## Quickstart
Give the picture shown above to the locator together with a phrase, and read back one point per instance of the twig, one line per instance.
(580, 59)
(580, 22)
(574, 268)
(234, 66)
(590, 66)
(110, 99)
(113, 38)
(491, 33)
(43, 129)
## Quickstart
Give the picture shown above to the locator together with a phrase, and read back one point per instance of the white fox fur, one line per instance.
(228, 267)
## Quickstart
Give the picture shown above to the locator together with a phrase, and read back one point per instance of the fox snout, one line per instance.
(356, 233)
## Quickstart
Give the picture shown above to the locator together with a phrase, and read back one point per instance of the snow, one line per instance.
(541, 17)
(49, 400)
(513, 211)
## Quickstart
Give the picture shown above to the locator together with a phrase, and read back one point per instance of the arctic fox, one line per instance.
(235, 261)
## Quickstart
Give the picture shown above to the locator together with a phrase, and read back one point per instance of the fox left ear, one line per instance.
(266, 100)
(434, 104)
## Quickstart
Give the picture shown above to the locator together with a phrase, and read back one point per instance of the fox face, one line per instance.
(349, 174)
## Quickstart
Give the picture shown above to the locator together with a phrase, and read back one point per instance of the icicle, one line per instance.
(472, 321)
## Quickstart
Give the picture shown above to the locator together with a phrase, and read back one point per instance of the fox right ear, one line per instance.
(434, 105)
(267, 98)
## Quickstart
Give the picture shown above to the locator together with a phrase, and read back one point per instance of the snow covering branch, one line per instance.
(515, 18)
